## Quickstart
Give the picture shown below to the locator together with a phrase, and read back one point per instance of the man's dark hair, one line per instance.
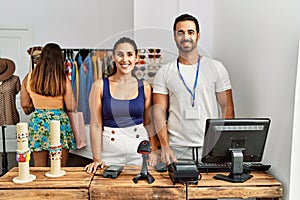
(186, 17)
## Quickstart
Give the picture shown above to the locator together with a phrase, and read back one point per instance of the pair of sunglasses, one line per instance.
(140, 74)
(152, 67)
(154, 50)
(139, 68)
(154, 56)
(151, 74)
(142, 51)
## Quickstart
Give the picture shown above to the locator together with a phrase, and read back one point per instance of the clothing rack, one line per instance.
(69, 52)
(83, 67)
(66, 50)
(83, 51)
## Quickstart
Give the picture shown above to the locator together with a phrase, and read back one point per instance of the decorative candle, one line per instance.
(55, 133)
(55, 150)
(23, 155)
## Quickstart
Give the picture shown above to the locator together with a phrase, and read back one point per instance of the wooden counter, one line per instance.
(74, 185)
(261, 185)
(77, 184)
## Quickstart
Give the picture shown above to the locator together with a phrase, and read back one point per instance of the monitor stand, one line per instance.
(237, 174)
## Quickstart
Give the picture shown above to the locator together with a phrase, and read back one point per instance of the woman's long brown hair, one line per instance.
(48, 78)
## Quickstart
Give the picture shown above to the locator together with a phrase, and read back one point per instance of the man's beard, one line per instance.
(186, 49)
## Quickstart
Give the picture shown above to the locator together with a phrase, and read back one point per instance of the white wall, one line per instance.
(258, 41)
(153, 21)
(71, 23)
(295, 153)
(203, 10)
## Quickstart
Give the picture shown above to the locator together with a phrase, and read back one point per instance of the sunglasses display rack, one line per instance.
(150, 60)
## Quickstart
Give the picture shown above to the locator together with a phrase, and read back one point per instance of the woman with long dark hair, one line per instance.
(120, 111)
(49, 91)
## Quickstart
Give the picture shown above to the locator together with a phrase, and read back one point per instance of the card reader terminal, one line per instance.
(184, 171)
(112, 171)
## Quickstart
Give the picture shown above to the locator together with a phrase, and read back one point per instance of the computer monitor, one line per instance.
(235, 140)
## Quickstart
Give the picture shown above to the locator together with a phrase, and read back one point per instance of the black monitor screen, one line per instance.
(223, 135)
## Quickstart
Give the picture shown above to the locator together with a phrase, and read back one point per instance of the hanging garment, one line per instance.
(82, 86)
(89, 82)
(95, 66)
(68, 69)
(99, 68)
(8, 91)
(75, 81)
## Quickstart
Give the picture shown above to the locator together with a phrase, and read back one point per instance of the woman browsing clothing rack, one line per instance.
(48, 91)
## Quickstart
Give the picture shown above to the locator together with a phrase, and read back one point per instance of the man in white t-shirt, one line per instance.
(190, 89)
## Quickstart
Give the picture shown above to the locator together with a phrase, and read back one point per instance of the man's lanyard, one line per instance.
(193, 93)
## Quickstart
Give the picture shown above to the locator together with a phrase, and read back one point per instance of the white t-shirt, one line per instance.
(212, 78)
